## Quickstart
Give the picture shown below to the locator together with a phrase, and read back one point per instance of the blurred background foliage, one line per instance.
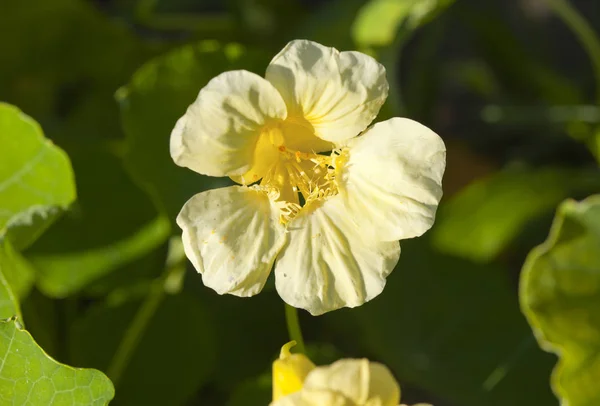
(90, 262)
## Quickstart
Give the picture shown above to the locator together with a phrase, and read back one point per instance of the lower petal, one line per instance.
(327, 264)
(232, 236)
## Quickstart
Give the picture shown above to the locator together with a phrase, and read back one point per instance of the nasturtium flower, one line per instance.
(322, 199)
(347, 382)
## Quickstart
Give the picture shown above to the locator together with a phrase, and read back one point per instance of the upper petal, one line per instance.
(231, 236)
(391, 179)
(218, 133)
(364, 382)
(338, 93)
(326, 263)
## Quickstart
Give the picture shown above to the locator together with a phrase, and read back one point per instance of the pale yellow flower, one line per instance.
(328, 222)
(347, 382)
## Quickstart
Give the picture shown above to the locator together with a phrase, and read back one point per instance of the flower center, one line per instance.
(298, 173)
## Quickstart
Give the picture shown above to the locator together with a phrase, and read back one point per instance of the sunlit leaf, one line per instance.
(378, 21)
(174, 357)
(450, 327)
(158, 94)
(29, 376)
(486, 216)
(560, 295)
(36, 178)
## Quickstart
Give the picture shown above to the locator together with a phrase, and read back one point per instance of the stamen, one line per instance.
(314, 182)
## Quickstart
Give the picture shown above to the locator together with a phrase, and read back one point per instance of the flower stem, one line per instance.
(293, 326)
(584, 32)
(136, 330)
(169, 282)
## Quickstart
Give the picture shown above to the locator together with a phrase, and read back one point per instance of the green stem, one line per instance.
(169, 282)
(136, 330)
(293, 325)
(584, 32)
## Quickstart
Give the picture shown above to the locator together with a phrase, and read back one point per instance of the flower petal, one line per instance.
(392, 179)
(361, 381)
(231, 236)
(338, 93)
(326, 263)
(218, 133)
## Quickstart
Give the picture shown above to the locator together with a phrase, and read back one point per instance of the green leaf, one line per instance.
(35, 178)
(29, 376)
(174, 357)
(450, 327)
(378, 21)
(158, 94)
(485, 217)
(63, 274)
(560, 295)
(16, 278)
(9, 303)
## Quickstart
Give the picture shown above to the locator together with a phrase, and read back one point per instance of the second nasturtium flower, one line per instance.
(322, 198)
(347, 382)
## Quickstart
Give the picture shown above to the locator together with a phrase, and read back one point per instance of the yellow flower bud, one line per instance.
(289, 371)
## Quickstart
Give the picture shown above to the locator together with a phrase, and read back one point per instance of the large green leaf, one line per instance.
(28, 376)
(486, 216)
(36, 178)
(174, 357)
(158, 94)
(560, 295)
(444, 325)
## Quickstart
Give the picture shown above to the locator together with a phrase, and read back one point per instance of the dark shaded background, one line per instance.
(505, 83)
